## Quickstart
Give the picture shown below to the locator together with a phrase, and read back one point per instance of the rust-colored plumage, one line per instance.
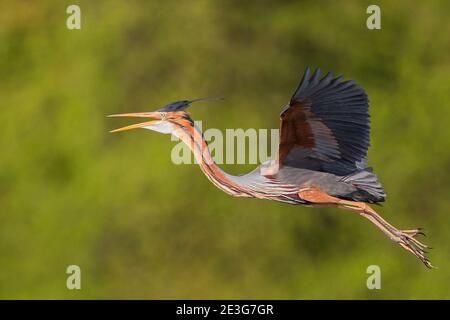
(295, 132)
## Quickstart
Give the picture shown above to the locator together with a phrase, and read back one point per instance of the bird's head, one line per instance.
(164, 120)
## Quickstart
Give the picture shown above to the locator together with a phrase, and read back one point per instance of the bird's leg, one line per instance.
(405, 238)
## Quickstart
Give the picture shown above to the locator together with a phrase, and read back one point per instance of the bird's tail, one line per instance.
(370, 189)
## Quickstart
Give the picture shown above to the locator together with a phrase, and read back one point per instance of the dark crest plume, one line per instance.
(183, 104)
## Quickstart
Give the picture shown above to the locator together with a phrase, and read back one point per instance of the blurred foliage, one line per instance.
(141, 227)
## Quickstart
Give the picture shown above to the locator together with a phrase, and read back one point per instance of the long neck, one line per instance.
(193, 138)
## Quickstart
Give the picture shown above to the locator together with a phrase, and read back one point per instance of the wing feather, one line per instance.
(326, 125)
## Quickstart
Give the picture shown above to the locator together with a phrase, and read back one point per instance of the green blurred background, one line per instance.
(140, 226)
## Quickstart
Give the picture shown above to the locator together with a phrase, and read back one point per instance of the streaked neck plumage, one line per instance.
(253, 184)
(191, 135)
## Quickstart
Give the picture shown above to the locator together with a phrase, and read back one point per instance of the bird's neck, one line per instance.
(193, 138)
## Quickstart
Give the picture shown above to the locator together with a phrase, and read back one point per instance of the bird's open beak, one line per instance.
(150, 115)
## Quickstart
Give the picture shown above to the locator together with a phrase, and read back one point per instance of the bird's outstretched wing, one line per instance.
(325, 127)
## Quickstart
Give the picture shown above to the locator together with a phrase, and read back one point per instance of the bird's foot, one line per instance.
(406, 239)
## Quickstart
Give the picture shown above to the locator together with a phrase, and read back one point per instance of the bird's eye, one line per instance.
(163, 115)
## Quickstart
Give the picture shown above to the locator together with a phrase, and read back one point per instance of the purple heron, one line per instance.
(322, 155)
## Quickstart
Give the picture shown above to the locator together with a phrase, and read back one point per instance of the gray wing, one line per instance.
(325, 127)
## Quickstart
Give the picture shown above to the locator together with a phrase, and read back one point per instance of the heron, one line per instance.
(321, 159)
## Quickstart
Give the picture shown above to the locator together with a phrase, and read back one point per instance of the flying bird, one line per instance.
(322, 154)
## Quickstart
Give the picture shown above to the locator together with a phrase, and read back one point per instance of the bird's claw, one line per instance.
(406, 239)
